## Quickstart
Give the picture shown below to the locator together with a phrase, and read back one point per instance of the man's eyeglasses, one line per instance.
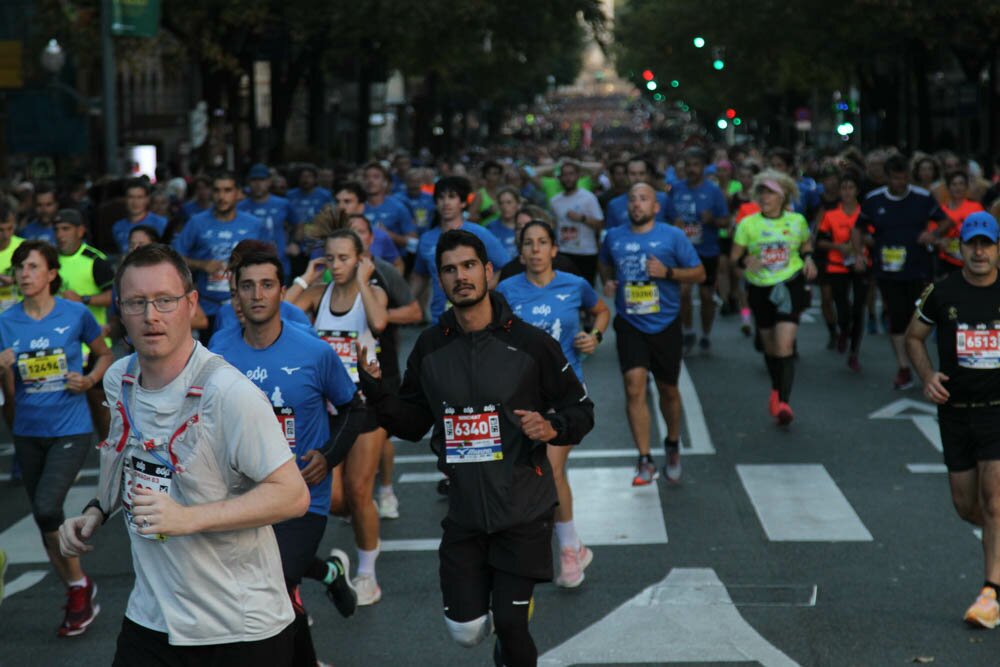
(163, 304)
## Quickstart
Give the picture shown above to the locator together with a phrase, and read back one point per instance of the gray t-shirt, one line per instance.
(577, 238)
(206, 588)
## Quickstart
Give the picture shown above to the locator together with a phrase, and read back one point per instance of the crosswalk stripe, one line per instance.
(801, 503)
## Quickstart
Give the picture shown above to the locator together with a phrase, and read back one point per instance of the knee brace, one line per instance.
(470, 633)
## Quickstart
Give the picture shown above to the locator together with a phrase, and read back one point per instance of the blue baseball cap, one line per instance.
(980, 223)
(259, 171)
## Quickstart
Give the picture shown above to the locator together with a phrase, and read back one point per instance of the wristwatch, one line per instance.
(95, 503)
(85, 299)
(596, 333)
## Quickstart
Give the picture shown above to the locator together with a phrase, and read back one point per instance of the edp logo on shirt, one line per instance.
(258, 374)
(544, 310)
(39, 343)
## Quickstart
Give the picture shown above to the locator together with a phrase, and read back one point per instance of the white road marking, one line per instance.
(607, 510)
(927, 468)
(22, 541)
(699, 441)
(922, 414)
(801, 503)
(416, 458)
(412, 477)
(23, 582)
(686, 617)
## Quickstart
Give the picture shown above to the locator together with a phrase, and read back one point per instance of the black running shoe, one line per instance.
(341, 591)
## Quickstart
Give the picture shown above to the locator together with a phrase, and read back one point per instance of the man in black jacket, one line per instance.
(496, 390)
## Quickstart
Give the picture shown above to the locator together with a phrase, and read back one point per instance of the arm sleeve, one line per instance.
(927, 305)
(408, 414)
(562, 392)
(345, 426)
(104, 277)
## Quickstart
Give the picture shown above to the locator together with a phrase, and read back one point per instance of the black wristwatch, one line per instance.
(95, 503)
(85, 299)
(596, 333)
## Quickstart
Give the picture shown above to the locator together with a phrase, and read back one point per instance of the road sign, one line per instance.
(135, 18)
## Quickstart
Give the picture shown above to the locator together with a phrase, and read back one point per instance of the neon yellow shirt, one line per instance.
(776, 242)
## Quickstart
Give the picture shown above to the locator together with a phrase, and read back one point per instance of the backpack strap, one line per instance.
(192, 403)
(129, 378)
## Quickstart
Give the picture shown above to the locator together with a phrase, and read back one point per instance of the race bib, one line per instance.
(472, 435)
(774, 256)
(568, 234)
(286, 419)
(642, 297)
(978, 348)
(8, 296)
(693, 231)
(218, 282)
(953, 248)
(342, 343)
(893, 258)
(43, 371)
(139, 473)
(421, 218)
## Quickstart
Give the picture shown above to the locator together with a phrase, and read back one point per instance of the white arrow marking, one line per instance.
(686, 617)
(926, 423)
(24, 582)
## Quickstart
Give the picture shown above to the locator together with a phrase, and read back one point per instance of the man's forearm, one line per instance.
(692, 275)
(916, 350)
(281, 496)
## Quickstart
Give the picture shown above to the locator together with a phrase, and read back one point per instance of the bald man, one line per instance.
(643, 266)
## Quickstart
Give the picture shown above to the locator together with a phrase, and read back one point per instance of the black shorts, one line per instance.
(899, 298)
(468, 558)
(139, 646)
(298, 541)
(585, 265)
(969, 435)
(766, 314)
(711, 265)
(659, 352)
(725, 245)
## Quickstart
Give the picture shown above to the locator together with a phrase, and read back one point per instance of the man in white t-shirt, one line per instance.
(201, 468)
(579, 218)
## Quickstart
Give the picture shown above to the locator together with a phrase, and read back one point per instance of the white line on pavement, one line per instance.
(801, 503)
(926, 468)
(24, 582)
(22, 541)
(686, 617)
(694, 417)
(416, 477)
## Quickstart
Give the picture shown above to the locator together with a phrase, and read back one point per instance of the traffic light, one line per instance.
(650, 85)
(647, 75)
(737, 121)
(845, 129)
(719, 58)
(675, 83)
(722, 123)
(730, 113)
(699, 42)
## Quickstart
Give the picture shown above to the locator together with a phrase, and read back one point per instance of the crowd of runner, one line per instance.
(503, 259)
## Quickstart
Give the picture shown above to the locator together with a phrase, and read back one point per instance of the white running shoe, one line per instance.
(388, 505)
(368, 589)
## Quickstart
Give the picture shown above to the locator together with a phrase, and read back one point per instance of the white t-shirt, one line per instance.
(577, 238)
(206, 588)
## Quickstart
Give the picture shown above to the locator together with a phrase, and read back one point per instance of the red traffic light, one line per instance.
(647, 74)
(730, 113)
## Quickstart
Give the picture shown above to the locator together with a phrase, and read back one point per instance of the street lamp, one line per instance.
(53, 57)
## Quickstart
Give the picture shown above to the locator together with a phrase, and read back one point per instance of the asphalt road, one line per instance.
(831, 542)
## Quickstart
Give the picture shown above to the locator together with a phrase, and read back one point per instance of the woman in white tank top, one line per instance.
(350, 313)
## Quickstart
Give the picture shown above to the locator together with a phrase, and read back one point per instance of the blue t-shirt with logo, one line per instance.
(617, 213)
(36, 230)
(121, 229)
(648, 304)
(290, 313)
(423, 208)
(298, 373)
(506, 236)
(274, 213)
(305, 205)
(207, 237)
(391, 214)
(44, 351)
(426, 264)
(555, 308)
(691, 203)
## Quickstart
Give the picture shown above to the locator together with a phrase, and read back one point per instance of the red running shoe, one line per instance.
(81, 609)
(785, 414)
(773, 402)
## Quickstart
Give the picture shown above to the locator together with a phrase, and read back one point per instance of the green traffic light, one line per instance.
(675, 83)
(718, 64)
(658, 97)
(699, 42)
(737, 121)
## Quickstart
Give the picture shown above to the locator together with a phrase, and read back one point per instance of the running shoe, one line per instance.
(745, 322)
(3, 571)
(81, 609)
(673, 466)
(689, 342)
(853, 363)
(367, 589)
(904, 379)
(785, 414)
(705, 345)
(645, 473)
(388, 505)
(572, 563)
(984, 611)
(341, 591)
(773, 401)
